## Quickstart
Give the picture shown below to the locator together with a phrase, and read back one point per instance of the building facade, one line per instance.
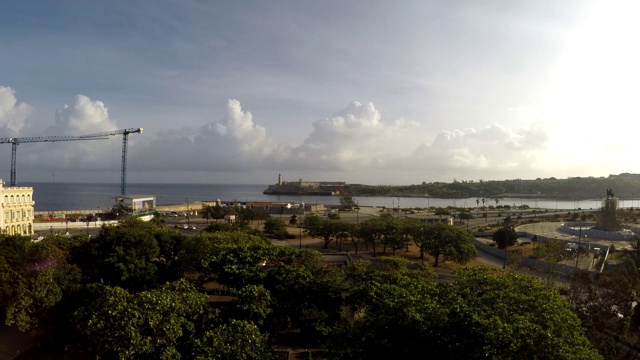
(127, 205)
(16, 217)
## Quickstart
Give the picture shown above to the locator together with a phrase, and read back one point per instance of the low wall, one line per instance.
(528, 262)
(63, 213)
(62, 225)
(595, 233)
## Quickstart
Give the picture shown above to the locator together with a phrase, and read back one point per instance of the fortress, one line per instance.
(300, 187)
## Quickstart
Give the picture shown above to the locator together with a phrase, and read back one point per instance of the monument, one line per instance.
(608, 220)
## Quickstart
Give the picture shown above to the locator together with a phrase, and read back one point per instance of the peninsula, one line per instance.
(626, 184)
(300, 187)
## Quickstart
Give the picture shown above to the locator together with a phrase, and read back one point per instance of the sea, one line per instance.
(58, 196)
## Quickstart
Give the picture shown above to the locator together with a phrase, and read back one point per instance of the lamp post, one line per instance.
(188, 224)
(67, 222)
(506, 243)
(578, 249)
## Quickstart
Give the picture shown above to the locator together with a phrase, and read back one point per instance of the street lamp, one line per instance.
(578, 249)
(188, 224)
(67, 222)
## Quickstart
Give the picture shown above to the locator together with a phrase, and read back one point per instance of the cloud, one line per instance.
(84, 116)
(354, 145)
(238, 137)
(494, 149)
(13, 116)
(354, 138)
(233, 143)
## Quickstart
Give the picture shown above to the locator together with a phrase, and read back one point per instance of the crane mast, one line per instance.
(125, 139)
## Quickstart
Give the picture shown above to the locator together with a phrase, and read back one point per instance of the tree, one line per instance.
(450, 241)
(373, 231)
(123, 255)
(33, 279)
(158, 220)
(549, 253)
(214, 211)
(276, 228)
(392, 312)
(234, 259)
(167, 262)
(171, 322)
(252, 303)
(603, 305)
(465, 215)
(333, 216)
(237, 339)
(347, 203)
(317, 227)
(388, 311)
(442, 211)
(305, 294)
(505, 236)
(496, 314)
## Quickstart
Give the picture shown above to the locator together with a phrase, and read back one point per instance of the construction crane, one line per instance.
(98, 136)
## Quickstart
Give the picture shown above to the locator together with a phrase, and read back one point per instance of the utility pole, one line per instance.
(188, 224)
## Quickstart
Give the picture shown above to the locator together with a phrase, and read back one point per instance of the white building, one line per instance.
(134, 204)
(16, 217)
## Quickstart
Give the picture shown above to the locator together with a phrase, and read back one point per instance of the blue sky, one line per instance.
(371, 92)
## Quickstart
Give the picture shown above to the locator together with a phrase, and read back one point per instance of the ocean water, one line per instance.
(50, 196)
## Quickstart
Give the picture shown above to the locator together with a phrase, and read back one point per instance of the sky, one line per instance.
(370, 92)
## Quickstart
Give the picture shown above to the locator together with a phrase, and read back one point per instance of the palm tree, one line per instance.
(158, 220)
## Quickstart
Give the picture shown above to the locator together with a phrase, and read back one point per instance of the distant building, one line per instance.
(302, 187)
(16, 217)
(276, 207)
(134, 205)
(433, 219)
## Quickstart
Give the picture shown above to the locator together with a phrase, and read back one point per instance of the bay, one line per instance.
(50, 196)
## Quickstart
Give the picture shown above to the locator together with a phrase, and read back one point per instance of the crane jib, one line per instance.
(98, 136)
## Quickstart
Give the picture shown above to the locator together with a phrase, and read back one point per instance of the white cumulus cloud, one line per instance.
(354, 138)
(495, 151)
(84, 116)
(232, 143)
(13, 116)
